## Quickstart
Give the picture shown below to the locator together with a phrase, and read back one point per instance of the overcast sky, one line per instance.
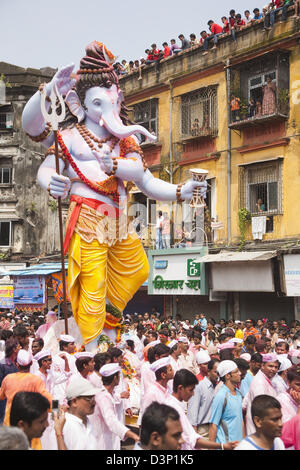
(37, 33)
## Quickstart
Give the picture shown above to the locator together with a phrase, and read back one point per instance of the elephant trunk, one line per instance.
(114, 125)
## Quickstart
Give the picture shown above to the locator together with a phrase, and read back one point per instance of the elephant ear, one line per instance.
(74, 105)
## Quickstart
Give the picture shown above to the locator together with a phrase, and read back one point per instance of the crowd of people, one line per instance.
(184, 384)
(230, 25)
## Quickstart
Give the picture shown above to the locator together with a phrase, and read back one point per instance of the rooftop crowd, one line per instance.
(188, 384)
(227, 26)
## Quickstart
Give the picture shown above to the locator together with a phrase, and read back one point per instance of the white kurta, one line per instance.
(61, 377)
(77, 436)
(109, 429)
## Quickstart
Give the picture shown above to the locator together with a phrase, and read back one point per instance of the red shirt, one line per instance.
(166, 52)
(155, 54)
(216, 29)
(240, 23)
(232, 20)
(226, 27)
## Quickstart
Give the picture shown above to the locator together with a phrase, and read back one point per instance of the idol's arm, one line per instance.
(160, 190)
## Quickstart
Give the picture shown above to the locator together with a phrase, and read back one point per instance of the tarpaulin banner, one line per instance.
(29, 290)
(6, 297)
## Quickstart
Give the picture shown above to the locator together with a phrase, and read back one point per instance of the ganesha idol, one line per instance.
(99, 154)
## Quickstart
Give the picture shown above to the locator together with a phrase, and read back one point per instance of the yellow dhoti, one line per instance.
(101, 268)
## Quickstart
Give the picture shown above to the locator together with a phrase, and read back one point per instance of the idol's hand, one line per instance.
(188, 188)
(59, 186)
(105, 161)
(63, 81)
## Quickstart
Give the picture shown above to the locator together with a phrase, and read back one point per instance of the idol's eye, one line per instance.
(97, 102)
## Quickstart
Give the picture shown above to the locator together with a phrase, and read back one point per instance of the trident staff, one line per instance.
(52, 117)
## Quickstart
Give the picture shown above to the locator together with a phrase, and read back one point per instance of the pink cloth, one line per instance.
(147, 378)
(291, 433)
(109, 430)
(155, 393)
(260, 385)
(289, 407)
(189, 435)
(42, 330)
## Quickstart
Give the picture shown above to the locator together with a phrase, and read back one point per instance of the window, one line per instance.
(5, 176)
(261, 188)
(146, 114)
(6, 120)
(5, 233)
(199, 115)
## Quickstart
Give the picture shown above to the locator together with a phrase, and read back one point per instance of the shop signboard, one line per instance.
(292, 275)
(177, 272)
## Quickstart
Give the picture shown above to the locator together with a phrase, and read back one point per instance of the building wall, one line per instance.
(191, 71)
(35, 220)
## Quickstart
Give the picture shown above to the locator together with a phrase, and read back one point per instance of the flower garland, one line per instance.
(128, 371)
(107, 187)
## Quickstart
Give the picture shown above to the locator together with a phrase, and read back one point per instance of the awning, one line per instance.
(241, 256)
(35, 270)
(246, 271)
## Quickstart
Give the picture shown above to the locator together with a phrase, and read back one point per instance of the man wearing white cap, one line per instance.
(21, 381)
(63, 366)
(226, 421)
(261, 385)
(44, 360)
(159, 390)
(108, 428)
(202, 359)
(85, 363)
(78, 431)
(280, 381)
(186, 359)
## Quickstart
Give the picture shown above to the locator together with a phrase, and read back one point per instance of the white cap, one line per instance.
(202, 357)
(226, 345)
(183, 339)
(285, 363)
(67, 338)
(109, 369)
(236, 340)
(280, 340)
(294, 355)
(80, 387)
(246, 356)
(51, 313)
(83, 354)
(163, 362)
(42, 354)
(225, 367)
(24, 357)
(172, 343)
(237, 321)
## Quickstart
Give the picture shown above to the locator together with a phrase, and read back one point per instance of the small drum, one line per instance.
(198, 175)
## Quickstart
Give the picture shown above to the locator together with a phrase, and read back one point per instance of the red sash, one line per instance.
(94, 204)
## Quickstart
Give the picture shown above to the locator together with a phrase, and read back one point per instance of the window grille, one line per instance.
(146, 114)
(199, 113)
(5, 175)
(261, 188)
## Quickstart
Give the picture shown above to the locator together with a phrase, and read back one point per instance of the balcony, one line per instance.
(259, 91)
(273, 113)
